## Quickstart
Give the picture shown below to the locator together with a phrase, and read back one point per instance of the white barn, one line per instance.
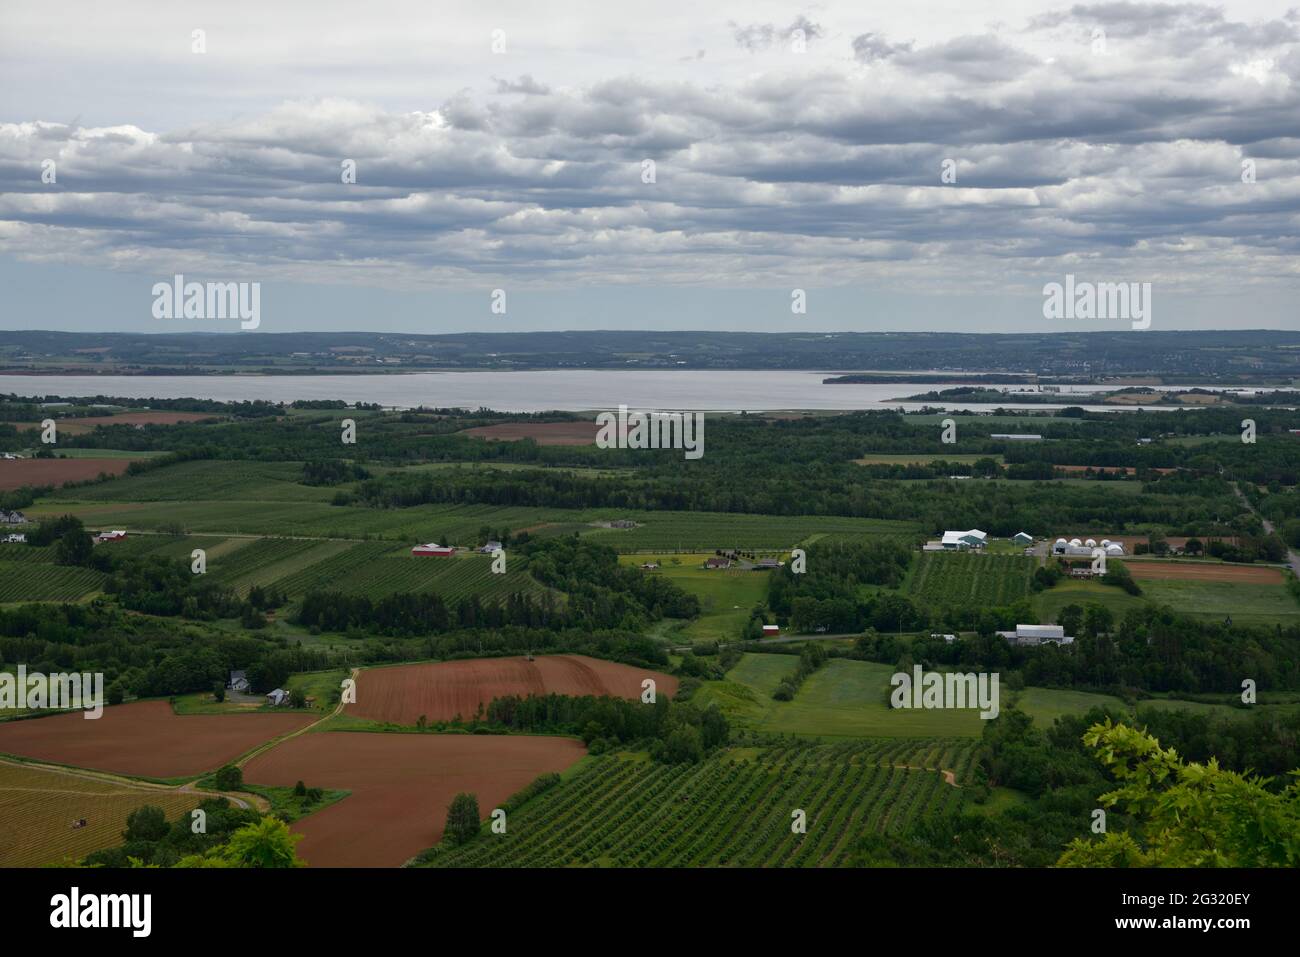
(972, 538)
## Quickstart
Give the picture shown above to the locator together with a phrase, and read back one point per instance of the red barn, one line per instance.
(433, 548)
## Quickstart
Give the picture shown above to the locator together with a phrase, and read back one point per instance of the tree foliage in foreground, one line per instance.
(1191, 815)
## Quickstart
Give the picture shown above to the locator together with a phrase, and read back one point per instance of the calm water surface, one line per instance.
(531, 391)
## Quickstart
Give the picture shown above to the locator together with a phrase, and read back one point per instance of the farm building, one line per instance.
(622, 523)
(973, 538)
(1022, 538)
(771, 631)
(1018, 437)
(650, 566)
(434, 549)
(113, 536)
(490, 547)
(17, 538)
(764, 564)
(1036, 635)
(1075, 548)
(278, 697)
(717, 563)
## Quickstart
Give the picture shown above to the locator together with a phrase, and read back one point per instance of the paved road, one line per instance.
(1291, 557)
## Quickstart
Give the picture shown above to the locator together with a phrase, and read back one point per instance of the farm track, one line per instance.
(274, 742)
(239, 798)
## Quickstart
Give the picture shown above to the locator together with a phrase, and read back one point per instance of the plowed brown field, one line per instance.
(1186, 571)
(145, 738)
(446, 689)
(543, 433)
(15, 473)
(401, 784)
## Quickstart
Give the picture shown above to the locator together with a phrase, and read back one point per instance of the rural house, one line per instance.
(12, 518)
(490, 547)
(238, 682)
(717, 563)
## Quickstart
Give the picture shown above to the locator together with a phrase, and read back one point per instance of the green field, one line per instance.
(457, 577)
(733, 809)
(261, 561)
(204, 481)
(32, 581)
(971, 578)
(1045, 705)
(695, 531)
(280, 514)
(1048, 604)
(726, 595)
(332, 570)
(1249, 604)
(844, 698)
(849, 698)
(920, 458)
(66, 453)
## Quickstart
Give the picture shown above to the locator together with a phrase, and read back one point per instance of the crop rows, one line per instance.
(204, 481)
(29, 581)
(38, 807)
(970, 578)
(733, 809)
(687, 531)
(242, 566)
(26, 553)
(449, 577)
(334, 572)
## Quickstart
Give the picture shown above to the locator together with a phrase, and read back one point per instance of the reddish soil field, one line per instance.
(15, 473)
(446, 689)
(78, 425)
(145, 739)
(543, 433)
(402, 785)
(1241, 574)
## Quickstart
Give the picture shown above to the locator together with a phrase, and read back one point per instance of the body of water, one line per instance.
(537, 391)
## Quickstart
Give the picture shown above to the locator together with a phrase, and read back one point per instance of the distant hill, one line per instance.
(1224, 356)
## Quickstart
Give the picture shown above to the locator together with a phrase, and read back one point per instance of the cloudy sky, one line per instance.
(506, 145)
